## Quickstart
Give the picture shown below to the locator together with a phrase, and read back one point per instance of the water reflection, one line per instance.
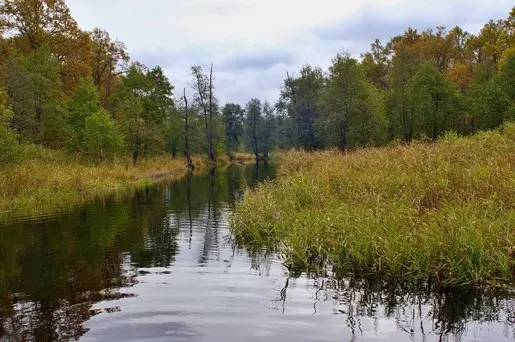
(53, 270)
(161, 265)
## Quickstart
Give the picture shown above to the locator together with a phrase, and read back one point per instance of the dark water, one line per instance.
(160, 265)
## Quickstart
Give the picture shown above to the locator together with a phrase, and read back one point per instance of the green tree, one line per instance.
(174, 135)
(268, 129)
(354, 109)
(489, 104)
(233, 115)
(401, 106)
(302, 98)
(284, 129)
(102, 137)
(147, 123)
(158, 96)
(9, 149)
(129, 112)
(376, 65)
(84, 103)
(436, 100)
(35, 91)
(253, 122)
(507, 75)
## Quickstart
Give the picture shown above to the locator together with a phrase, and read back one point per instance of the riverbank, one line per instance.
(442, 213)
(53, 180)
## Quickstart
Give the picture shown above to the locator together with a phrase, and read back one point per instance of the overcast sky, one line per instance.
(253, 42)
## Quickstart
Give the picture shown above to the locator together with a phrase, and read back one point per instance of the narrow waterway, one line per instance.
(160, 265)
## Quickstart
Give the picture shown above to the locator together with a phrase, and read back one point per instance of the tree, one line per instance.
(376, 65)
(174, 134)
(253, 122)
(492, 41)
(204, 98)
(493, 100)
(187, 150)
(84, 103)
(284, 130)
(409, 40)
(507, 74)
(301, 97)
(129, 112)
(459, 70)
(158, 101)
(34, 24)
(8, 145)
(435, 99)
(490, 104)
(154, 96)
(437, 47)
(34, 89)
(102, 135)
(268, 129)
(354, 115)
(233, 115)
(109, 60)
(401, 106)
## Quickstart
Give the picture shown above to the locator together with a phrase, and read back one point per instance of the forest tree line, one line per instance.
(68, 89)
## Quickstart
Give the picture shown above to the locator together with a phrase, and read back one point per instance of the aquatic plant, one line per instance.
(441, 212)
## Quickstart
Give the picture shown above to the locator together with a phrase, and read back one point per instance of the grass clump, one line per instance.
(441, 212)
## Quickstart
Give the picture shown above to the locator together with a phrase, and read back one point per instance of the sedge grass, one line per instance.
(53, 180)
(441, 212)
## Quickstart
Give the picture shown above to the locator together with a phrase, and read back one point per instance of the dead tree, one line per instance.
(187, 151)
(212, 155)
(207, 108)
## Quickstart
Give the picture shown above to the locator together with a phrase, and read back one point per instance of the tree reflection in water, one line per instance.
(54, 269)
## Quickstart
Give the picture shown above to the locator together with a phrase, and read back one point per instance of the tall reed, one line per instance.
(443, 212)
(53, 180)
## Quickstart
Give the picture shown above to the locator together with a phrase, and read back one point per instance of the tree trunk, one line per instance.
(344, 132)
(135, 150)
(212, 155)
(187, 152)
(255, 141)
(207, 110)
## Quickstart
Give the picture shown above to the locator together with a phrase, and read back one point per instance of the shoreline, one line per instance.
(39, 187)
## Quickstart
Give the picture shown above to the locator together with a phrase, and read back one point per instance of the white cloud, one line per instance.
(179, 33)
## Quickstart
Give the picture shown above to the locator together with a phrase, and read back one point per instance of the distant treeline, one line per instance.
(64, 88)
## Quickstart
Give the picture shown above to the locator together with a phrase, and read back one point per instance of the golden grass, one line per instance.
(53, 180)
(443, 212)
(244, 158)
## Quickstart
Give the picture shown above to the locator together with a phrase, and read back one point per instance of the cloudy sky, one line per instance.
(253, 42)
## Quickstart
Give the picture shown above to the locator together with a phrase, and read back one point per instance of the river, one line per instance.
(159, 264)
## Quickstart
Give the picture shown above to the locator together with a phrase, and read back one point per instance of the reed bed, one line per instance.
(53, 180)
(442, 213)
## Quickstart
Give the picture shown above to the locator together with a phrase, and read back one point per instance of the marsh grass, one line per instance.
(440, 212)
(49, 180)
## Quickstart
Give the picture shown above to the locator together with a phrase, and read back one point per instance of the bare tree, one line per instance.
(203, 86)
(187, 151)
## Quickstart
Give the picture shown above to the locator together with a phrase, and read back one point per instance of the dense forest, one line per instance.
(68, 89)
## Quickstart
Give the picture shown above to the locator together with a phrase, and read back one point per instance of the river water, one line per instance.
(160, 265)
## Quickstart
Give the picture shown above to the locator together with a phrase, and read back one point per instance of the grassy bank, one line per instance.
(442, 212)
(52, 180)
